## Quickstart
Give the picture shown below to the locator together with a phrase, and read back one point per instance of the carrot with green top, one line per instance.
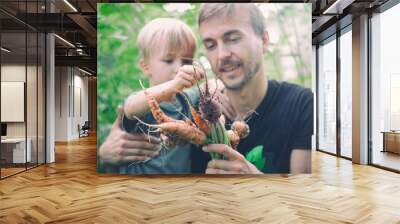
(155, 109)
(182, 129)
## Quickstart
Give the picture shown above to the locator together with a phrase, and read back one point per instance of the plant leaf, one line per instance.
(255, 156)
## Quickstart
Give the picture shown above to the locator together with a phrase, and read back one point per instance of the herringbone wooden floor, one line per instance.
(70, 191)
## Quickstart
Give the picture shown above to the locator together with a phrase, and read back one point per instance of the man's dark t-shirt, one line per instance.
(282, 122)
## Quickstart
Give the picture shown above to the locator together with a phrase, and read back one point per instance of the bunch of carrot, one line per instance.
(172, 128)
(211, 113)
(200, 131)
(206, 127)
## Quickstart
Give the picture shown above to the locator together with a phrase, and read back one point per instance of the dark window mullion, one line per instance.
(26, 86)
(338, 74)
(0, 97)
(369, 89)
(47, 4)
(37, 90)
(317, 96)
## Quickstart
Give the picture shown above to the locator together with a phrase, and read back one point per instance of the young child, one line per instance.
(167, 48)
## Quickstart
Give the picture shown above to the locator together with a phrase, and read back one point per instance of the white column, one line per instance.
(360, 90)
(50, 93)
(50, 79)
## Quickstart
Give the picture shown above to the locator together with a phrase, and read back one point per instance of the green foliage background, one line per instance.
(119, 24)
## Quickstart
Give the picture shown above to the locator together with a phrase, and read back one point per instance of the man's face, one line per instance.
(233, 49)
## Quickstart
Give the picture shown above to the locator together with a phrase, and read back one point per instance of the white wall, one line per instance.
(16, 73)
(80, 100)
(61, 103)
(70, 83)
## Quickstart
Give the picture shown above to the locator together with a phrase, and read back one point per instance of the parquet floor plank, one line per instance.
(70, 191)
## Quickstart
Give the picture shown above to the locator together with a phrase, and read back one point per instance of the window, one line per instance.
(385, 87)
(346, 94)
(327, 96)
(22, 75)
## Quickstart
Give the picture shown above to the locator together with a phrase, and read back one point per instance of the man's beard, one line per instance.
(248, 76)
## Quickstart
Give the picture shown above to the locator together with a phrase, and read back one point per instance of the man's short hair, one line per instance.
(167, 34)
(210, 10)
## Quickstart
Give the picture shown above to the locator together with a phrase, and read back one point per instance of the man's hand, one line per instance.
(236, 163)
(121, 146)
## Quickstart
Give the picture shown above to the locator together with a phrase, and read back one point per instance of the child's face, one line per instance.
(162, 67)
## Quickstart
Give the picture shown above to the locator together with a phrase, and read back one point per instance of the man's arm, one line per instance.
(120, 146)
(300, 161)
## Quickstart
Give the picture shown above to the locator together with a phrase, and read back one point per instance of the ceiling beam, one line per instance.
(82, 61)
(49, 22)
(86, 26)
(320, 23)
(337, 6)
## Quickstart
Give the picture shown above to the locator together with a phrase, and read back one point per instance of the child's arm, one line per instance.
(136, 104)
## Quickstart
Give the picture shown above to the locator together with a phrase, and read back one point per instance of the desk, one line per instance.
(391, 141)
(13, 150)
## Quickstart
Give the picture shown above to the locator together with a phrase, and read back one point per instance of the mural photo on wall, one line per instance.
(215, 88)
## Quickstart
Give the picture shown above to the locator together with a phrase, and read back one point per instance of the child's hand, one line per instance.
(187, 77)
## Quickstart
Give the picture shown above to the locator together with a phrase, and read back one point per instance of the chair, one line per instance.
(84, 130)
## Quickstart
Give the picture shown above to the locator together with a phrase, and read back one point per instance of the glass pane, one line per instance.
(22, 78)
(386, 89)
(314, 82)
(31, 86)
(327, 97)
(31, 97)
(13, 87)
(346, 94)
(41, 99)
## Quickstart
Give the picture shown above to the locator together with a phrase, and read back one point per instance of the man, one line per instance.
(235, 39)
(281, 126)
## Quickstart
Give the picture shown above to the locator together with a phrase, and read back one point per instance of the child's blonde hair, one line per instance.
(175, 35)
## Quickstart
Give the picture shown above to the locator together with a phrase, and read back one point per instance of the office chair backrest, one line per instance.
(86, 125)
